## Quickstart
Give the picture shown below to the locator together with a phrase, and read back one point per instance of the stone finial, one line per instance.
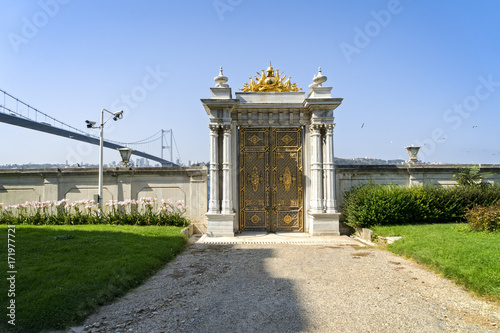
(412, 152)
(221, 80)
(318, 79)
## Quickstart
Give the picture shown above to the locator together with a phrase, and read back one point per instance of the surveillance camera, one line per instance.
(90, 124)
(118, 115)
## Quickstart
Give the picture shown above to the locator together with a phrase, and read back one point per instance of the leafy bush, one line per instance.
(484, 218)
(468, 176)
(372, 204)
(145, 211)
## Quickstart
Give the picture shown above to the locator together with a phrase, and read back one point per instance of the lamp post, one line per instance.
(125, 154)
(90, 124)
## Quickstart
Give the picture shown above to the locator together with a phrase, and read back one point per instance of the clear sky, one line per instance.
(415, 72)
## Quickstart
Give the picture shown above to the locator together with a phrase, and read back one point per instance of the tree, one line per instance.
(468, 176)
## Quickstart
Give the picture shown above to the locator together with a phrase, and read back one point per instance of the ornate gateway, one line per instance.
(271, 157)
(270, 179)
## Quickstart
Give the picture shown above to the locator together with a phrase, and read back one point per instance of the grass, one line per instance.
(471, 259)
(65, 272)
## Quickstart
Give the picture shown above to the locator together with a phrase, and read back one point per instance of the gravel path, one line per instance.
(331, 287)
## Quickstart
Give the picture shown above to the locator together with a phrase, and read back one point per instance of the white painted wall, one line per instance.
(348, 176)
(185, 183)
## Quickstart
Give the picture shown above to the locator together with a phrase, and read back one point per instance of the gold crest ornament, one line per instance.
(270, 81)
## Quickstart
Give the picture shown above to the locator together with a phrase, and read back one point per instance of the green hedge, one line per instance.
(371, 204)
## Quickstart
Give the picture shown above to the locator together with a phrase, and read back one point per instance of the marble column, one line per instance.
(329, 171)
(316, 170)
(227, 202)
(213, 204)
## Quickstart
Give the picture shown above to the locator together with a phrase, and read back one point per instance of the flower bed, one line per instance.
(145, 211)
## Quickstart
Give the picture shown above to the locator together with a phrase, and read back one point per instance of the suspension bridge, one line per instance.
(18, 113)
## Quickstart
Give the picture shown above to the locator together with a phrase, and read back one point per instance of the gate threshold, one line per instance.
(297, 238)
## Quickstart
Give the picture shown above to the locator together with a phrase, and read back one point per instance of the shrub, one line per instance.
(482, 218)
(372, 204)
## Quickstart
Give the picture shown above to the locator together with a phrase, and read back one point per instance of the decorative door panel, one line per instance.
(270, 179)
(254, 179)
(287, 179)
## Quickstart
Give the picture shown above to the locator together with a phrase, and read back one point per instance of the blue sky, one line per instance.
(410, 72)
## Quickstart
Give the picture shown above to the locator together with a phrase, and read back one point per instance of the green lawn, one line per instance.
(469, 258)
(65, 272)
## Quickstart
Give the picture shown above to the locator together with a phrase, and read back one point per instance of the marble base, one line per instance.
(324, 224)
(220, 225)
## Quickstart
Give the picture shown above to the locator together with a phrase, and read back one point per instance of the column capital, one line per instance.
(315, 128)
(214, 128)
(329, 128)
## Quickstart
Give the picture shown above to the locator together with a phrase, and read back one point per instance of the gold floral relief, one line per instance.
(288, 219)
(254, 139)
(255, 178)
(255, 219)
(287, 179)
(287, 139)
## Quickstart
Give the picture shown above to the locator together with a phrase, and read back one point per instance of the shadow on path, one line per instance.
(238, 293)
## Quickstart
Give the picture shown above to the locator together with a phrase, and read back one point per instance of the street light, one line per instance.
(91, 124)
(125, 154)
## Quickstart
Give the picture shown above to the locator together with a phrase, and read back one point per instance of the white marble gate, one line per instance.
(273, 104)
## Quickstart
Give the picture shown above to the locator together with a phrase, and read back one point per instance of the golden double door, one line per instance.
(270, 179)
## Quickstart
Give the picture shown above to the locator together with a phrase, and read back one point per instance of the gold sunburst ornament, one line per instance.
(270, 80)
